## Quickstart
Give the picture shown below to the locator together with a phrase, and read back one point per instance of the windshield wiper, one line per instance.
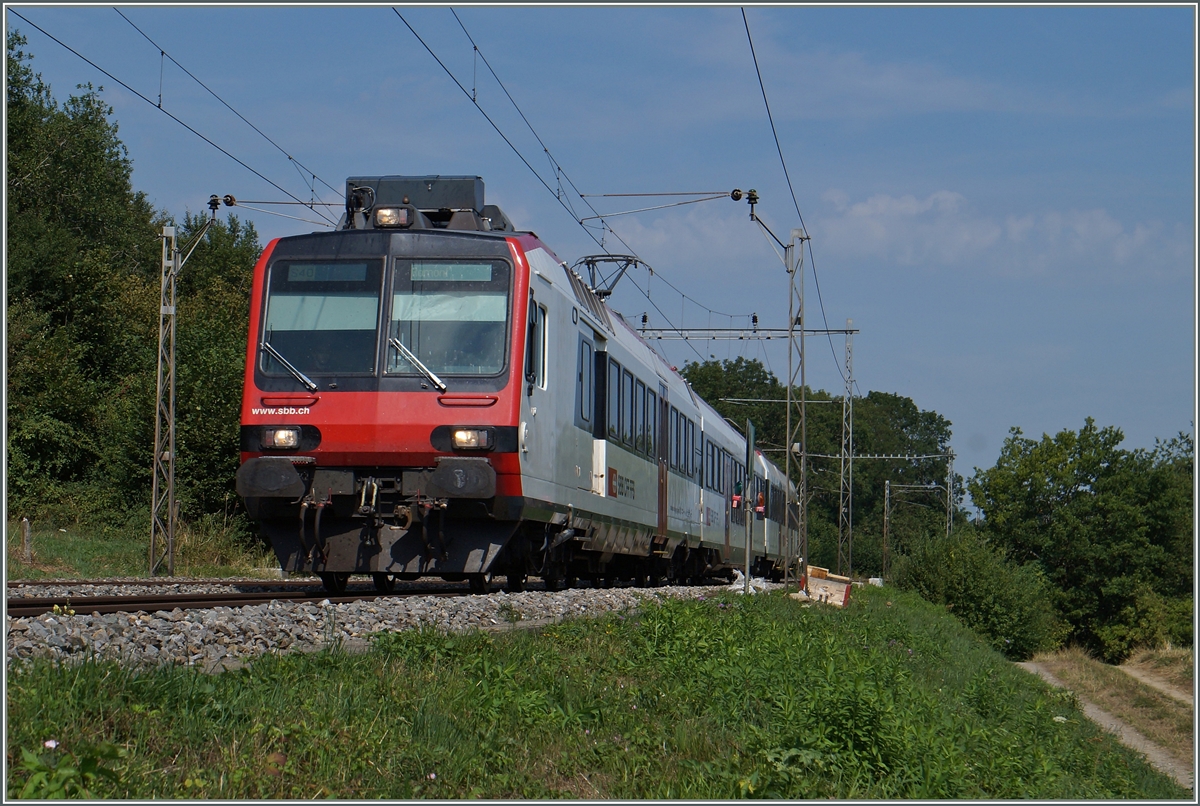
(416, 362)
(297, 374)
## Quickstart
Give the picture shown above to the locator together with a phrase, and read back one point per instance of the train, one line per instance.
(430, 392)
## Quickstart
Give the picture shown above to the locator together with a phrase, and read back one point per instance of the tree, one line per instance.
(883, 423)
(81, 254)
(1107, 527)
(84, 261)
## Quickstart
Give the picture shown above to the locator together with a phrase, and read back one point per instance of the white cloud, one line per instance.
(943, 230)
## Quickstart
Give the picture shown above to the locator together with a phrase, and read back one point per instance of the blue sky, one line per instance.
(1003, 199)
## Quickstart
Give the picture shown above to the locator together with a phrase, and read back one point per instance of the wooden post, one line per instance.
(26, 541)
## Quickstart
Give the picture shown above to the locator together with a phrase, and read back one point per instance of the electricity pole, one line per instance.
(846, 509)
(748, 498)
(163, 515)
(887, 505)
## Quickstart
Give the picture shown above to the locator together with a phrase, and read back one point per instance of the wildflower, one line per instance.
(432, 776)
(1060, 719)
(587, 732)
(910, 651)
(634, 707)
(50, 744)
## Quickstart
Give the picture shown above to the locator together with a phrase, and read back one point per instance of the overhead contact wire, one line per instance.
(175, 62)
(560, 170)
(520, 156)
(788, 177)
(485, 114)
(147, 100)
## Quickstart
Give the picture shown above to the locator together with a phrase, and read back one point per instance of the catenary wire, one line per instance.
(147, 100)
(559, 169)
(223, 102)
(526, 162)
(488, 118)
(787, 176)
(282, 215)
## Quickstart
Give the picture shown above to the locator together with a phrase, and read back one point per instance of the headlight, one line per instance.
(392, 217)
(281, 437)
(476, 438)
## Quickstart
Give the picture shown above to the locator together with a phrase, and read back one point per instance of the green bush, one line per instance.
(1149, 619)
(1008, 604)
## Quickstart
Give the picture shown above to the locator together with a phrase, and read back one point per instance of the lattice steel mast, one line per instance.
(846, 508)
(163, 509)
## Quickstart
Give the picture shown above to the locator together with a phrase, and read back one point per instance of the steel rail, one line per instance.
(86, 605)
(162, 582)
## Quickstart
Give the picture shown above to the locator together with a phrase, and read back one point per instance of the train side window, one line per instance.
(639, 427)
(583, 385)
(628, 410)
(674, 451)
(690, 442)
(535, 347)
(651, 423)
(614, 400)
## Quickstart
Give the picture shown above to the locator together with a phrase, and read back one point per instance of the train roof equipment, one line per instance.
(420, 202)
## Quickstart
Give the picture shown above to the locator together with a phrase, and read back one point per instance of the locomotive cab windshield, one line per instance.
(443, 317)
(322, 317)
(452, 314)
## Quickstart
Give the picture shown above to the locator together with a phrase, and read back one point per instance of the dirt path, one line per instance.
(1157, 756)
(1158, 684)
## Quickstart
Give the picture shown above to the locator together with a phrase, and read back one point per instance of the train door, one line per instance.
(664, 412)
(581, 448)
(538, 432)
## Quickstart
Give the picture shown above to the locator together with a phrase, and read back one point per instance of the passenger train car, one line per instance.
(429, 392)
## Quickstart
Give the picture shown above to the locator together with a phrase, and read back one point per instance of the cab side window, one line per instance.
(584, 383)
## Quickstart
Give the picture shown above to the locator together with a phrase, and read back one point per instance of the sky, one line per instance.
(1003, 200)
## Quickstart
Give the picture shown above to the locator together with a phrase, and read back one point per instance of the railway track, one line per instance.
(36, 606)
(155, 582)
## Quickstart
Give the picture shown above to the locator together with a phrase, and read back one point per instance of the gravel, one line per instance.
(224, 638)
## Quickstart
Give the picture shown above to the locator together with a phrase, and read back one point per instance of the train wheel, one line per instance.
(384, 583)
(515, 583)
(480, 583)
(334, 581)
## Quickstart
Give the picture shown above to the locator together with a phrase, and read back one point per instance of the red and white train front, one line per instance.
(382, 387)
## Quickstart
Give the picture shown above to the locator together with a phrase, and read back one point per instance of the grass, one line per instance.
(1174, 665)
(206, 548)
(716, 698)
(1158, 717)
